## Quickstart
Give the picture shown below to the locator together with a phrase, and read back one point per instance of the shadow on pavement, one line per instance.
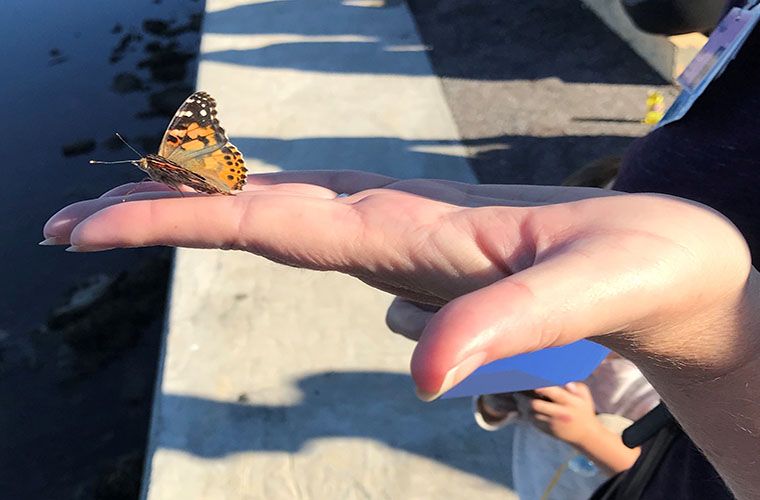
(523, 40)
(519, 159)
(502, 159)
(372, 405)
(354, 57)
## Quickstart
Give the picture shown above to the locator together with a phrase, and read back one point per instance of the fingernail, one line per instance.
(85, 249)
(53, 240)
(453, 376)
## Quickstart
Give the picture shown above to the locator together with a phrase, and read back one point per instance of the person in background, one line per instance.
(567, 438)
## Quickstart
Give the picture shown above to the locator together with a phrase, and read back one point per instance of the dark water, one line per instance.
(75, 398)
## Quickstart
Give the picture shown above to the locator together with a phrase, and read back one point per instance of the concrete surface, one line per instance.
(281, 383)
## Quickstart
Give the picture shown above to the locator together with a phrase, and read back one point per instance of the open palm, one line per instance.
(516, 268)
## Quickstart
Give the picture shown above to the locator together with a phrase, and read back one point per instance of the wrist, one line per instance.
(589, 432)
(708, 344)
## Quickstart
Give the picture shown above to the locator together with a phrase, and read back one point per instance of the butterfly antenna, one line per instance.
(130, 147)
(112, 162)
(120, 161)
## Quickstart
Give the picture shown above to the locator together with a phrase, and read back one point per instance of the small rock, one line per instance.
(83, 297)
(106, 316)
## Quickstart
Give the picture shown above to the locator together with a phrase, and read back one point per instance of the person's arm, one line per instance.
(665, 282)
(569, 415)
(608, 452)
(716, 397)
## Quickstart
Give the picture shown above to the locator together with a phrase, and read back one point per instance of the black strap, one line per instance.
(657, 425)
(647, 426)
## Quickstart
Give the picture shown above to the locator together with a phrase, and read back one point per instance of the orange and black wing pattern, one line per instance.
(195, 140)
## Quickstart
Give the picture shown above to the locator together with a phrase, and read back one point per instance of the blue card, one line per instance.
(552, 366)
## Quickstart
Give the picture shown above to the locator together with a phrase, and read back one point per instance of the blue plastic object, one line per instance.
(552, 366)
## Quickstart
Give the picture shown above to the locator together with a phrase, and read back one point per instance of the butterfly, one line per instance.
(194, 151)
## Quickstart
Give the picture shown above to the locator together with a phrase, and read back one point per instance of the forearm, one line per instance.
(722, 417)
(607, 451)
(714, 393)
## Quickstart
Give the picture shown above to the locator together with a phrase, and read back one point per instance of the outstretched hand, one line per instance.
(515, 268)
(566, 413)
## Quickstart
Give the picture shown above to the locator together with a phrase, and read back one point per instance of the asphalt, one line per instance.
(537, 89)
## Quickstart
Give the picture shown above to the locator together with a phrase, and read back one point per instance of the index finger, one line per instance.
(461, 193)
(557, 394)
(340, 181)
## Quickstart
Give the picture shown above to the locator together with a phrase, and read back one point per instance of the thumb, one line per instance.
(553, 303)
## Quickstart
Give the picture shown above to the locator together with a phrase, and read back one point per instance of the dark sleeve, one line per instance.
(685, 473)
(711, 155)
(670, 466)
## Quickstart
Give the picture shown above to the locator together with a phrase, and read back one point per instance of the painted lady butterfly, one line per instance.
(195, 151)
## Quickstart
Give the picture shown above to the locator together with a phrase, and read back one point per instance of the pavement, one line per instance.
(282, 383)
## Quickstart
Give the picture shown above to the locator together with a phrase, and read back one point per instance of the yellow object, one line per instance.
(655, 108)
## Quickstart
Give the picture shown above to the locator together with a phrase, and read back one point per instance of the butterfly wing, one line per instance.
(196, 141)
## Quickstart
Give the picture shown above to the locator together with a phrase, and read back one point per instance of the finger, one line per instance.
(58, 228)
(556, 393)
(541, 407)
(580, 390)
(136, 187)
(541, 422)
(277, 226)
(407, 318)
(340, 181)
(150, 186)
(351, 181)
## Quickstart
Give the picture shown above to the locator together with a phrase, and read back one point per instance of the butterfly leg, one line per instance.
(177, 188)
(135, 188)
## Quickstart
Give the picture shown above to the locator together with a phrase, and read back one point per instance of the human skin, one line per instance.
(566, 413)
(569, 415)
(665, 282)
